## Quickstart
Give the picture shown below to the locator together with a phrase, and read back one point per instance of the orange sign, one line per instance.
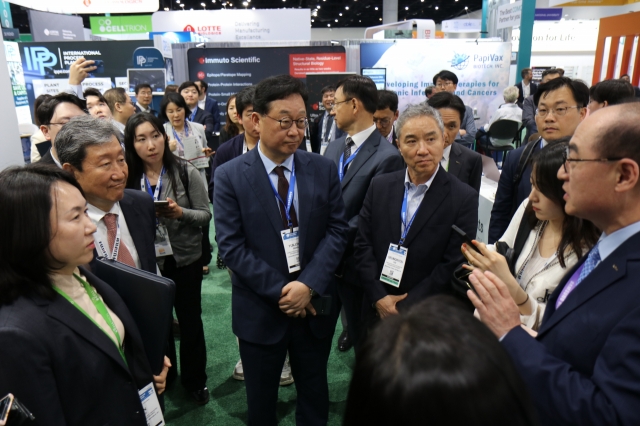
(300, 64)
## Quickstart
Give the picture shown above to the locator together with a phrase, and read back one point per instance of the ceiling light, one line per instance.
(336, 20)
(313, 20)
(328, 25)
(245, 4)
(339, 14)
(436, 7)
(346, 7)
(376, 7)
(166, 8)
(381, 19)
(406, 8)
(202, 4)
(465, 8)
(360, 20)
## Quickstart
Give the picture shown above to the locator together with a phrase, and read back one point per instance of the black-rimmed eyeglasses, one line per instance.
(286, 123)
(566, 159)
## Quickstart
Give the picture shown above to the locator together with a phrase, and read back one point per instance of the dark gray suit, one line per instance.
(466, 165)
(376, 157)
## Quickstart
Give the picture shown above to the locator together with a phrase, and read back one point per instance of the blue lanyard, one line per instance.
(344, 164)
(186, 133)
(292, 185)
(147, 185)
(193, 114)
(403, 216)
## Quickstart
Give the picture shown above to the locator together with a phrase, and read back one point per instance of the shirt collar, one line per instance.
(96, 215)
(118, 125)
(609, 243)
(55, 159)
(446, 153)
(143, 109)
(410, 185)
(270, 165)
(359, 138)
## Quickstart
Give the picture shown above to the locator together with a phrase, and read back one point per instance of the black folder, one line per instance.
(149, 298)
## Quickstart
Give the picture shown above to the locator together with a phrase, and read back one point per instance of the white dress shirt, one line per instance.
(118, 126)
(415, 194)
(444, 162)
(202, 103)
(96, 215)
(143, 109)
(526, 90)
(359, 138)
(273, 177)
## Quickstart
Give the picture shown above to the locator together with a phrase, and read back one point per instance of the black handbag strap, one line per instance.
(524, 229)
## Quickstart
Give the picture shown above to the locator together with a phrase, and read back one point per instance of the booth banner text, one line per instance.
(133, 24)
(482, 69)
(18, 86)
(229, 70)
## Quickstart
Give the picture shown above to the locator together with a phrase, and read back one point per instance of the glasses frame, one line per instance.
(566, 159)
(334, 104)
(283, 120)
(554, 111)
(383, 121)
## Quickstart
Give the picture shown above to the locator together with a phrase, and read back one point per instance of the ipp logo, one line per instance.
(201, 75)
(190, 29)
(141, 60)
(201, 60)
(38, 58)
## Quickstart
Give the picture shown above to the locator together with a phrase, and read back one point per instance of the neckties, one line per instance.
(347, 153)
(124, 256)
(283, 189)
(589, 265)
(327, 128)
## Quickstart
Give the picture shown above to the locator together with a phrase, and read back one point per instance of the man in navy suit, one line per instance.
(324, 129)
(583, 367)
(208, 104)
(280, 225)
(526, 87)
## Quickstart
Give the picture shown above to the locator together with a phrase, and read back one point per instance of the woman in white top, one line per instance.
(554, 245)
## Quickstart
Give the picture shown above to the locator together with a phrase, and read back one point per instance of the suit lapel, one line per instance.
(455, 165)
(259, 182)
(137, 232)
(395, 194)
(305, 176)
(432, 200)
(367, 149)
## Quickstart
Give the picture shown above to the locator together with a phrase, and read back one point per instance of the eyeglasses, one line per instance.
(558, 112)
(384, 122)
(334, 104)
(443, 86)
(566, 159)
(287, 122)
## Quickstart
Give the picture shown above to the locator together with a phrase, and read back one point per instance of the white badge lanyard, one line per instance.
(116, 244)
(324, 128)
(145, 185)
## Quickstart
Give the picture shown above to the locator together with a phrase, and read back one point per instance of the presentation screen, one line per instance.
(155, 77)
(378, 75)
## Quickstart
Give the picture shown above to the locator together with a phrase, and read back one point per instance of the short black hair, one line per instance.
(578, 89)
(39, 100)
(205, 85)
(624, 75)
(428, 90)
(445, 75)
(92, 91)
(177, 99)
(187, 84)
(612, 91)
(447, 100)
(244, 99)
(524, 72)
(329, 88)
(25, 225)
(276, 88)
(361, 88)
(552, 71)
(387, 99)
(142, 86)
(48, 107)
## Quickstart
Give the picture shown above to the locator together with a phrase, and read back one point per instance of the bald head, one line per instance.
(618, 131)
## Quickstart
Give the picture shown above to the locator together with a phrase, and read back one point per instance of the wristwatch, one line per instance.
(312, 292)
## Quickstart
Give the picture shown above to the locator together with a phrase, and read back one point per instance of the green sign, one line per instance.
(105, 25)
(6, 19)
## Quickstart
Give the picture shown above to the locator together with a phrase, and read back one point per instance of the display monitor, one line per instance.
(155, 77)
(378, 75)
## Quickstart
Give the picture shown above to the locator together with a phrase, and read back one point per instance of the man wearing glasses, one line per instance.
(446, 81)
(281, 229)
(583, 365)
(55, 113)
(561, 106)
(386, 115)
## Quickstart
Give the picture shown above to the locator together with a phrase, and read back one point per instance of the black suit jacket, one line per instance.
(466, 165)
(65, 369)
(207, 120)
(533, 88)
(47, 159)
(227, 152)
(434, 248)
(316, 133)
(151, 110)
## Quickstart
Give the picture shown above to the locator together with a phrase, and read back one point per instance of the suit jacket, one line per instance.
(466, 165)
(533, 88)
(65, 369)
(248, 225)
(211, 106)
(583, 368)
(468, 124)
(227, 152)
(316, 133)
(151, 110)
(529, 118)
(434, 248)
(376, 157)
(207, 120)
(47, 159)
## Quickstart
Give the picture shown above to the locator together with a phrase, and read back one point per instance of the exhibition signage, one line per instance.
(55, 27)
(108, 25)
(563, 36)
(10, 33)
(548, 14)
(482, 69)
(90, 6)
(57, 85)
(5, 14)
(18, 86)
(238, 25)
(509, 15)
(462, 26)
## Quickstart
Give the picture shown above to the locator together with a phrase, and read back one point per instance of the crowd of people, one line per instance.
(375, 225)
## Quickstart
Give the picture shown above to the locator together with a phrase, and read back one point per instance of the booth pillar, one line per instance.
(526, 36)
(389, 11)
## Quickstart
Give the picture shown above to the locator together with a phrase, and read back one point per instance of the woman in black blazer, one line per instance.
(69, 349)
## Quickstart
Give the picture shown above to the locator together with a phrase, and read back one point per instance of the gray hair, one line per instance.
(419, 110)
(79, 133)
(510, 94)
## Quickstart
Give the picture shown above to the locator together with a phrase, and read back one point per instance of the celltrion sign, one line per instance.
(105, 25)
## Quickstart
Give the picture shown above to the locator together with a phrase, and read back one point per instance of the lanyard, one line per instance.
(403, 216)
(186, 133)
(102, 310)
(116, 244)
(146, 185)
(290, 192)
(344, 164)
(193, 114)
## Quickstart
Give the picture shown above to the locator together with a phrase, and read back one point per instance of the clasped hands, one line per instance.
(295, 300)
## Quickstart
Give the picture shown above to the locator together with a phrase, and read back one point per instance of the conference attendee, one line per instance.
(359, 155)
(165, 177)
(191, 92)
(323, 129)
(406, 249)
(64, 333)
(231, 127)
(79, 70)
(38, 137)
(171, 88)
(582, 367)
(276, 281)
(96, 104)
(509, 110)
(208, 104)
(121, 107)
(526, 87)
(436, 364)
(609, 92)
(554, 240)
(144, 98)
(386, 115)
(53, 114)
(457, 159)
(428, 92)
(561, 107)
(446, 81)
(625, 77)
(529, 106)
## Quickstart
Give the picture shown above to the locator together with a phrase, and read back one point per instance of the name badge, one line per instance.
(151, 406)
(394, 265)
(291, 241)
(162, 243)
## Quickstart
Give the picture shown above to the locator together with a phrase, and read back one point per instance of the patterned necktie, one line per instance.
(347, 153)
(283, 189)
(589, 265)
(124, 256)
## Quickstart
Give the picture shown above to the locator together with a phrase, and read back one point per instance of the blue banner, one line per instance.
(548, 14)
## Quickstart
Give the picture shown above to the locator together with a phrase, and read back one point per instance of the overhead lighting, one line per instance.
(166, 8)
(339, 14)
(245, 4)
(313, 20)
(336, 20)
(381, 19)
(346, 7)
(436, 7)
(328, 25)
(406, 8)
(376, 7)
(203, 5)
(465, 8)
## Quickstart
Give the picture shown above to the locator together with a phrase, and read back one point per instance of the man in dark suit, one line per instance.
(386, 115)
(53, 114)
(323, 129)
(562, 106)
(447, 81)
(144, 98)
(208, 104)
(406, 250)
(526, 86)
(281, 229)
(529, 106)
(583, 365)
(363, 153)
(457, 159)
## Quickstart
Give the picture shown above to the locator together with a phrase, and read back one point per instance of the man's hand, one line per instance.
(161, 380)
(79, 70)
(387, 305)
(294, 298)
(496, 309)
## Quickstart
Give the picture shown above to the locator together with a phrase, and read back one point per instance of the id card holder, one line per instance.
(394, 265)
(291, 242)
(151, 406)
(162, 243)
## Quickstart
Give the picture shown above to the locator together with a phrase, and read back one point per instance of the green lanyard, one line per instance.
(102, 310)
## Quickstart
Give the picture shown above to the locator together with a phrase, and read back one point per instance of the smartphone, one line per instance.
(99, 64)
(322, 305)
(5, 408)
(163, 203)
(465, 238)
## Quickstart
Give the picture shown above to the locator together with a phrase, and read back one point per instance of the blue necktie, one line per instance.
(590, 263)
